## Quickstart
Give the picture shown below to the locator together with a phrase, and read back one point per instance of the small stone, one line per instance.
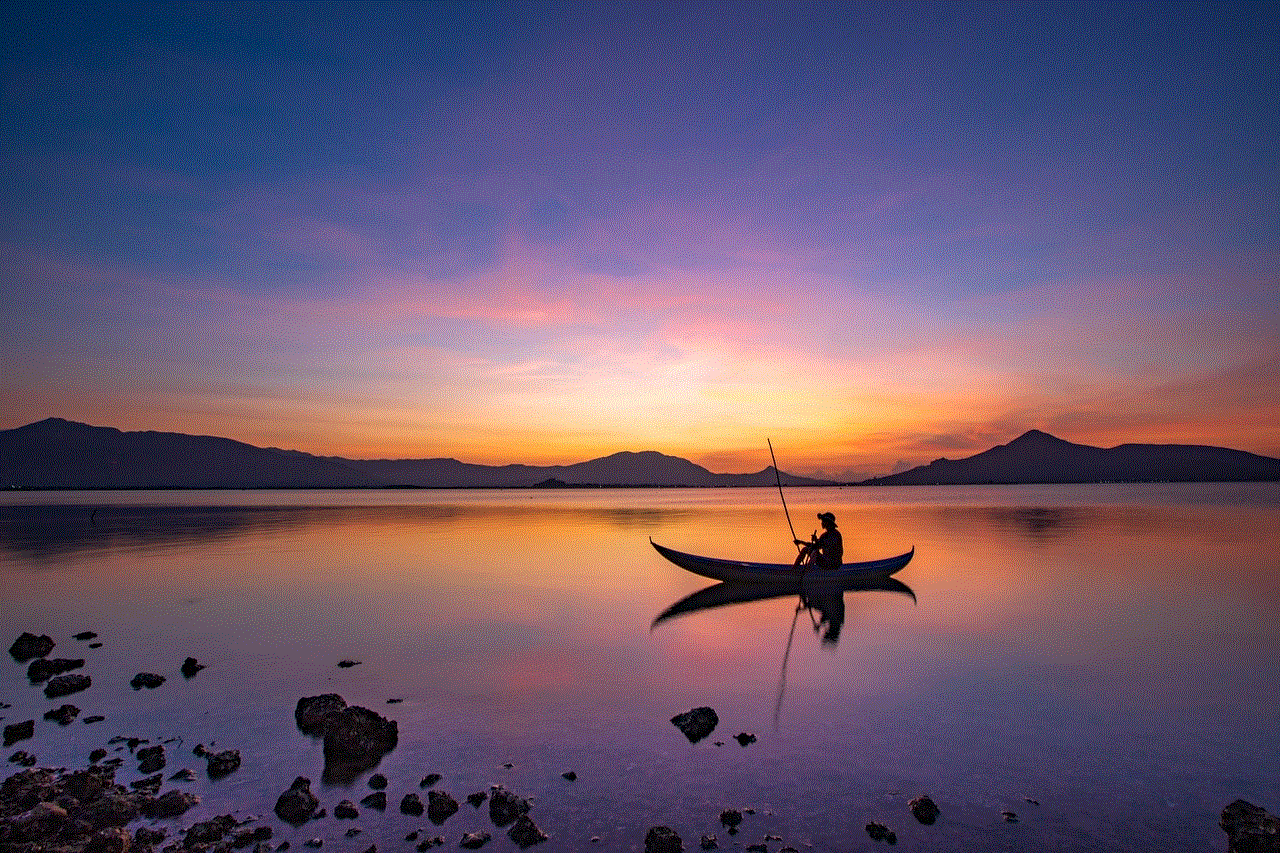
(662, 839)
(353, 831)
(709, 842)
(219, 764)
(743, 738)
(477, 799)
(171, 804)
(924, 809)
(505, 807)
(311, 712)
(186, 774)
(85, 635)
(313, 843)
(1009, 817)
(525, 833)
(29, 646)
(696, 723)
(64, 685)
(730, 818)
(22, 758)
(93, 718)
(757, 848)
(377, 800)
(63, 714)
(571, 776)
(148, 680)
(377, 782)
(347, 664)
(429, 780)
(190, 667)
(346, 810)
(474, 840)
(411, 805)
(150, 759)
(297, 805)
(880, 832)
(440, 806)
(19, 731)
(42, 669)
(97, 755)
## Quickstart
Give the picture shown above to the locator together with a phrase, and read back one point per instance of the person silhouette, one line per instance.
(825, 552)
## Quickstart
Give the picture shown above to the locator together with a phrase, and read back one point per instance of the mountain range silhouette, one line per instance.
(59, 454)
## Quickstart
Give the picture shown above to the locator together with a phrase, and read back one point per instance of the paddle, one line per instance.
(778, 477)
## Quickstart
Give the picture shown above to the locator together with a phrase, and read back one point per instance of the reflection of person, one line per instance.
(822, 552)
(830, 607)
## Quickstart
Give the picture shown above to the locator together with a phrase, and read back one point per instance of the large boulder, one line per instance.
(1250, 828)
(505, 807)
(312, 710)
(355, 739)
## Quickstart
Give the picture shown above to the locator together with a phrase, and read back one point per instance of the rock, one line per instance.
(1009, 817)
(150, 759)
(440, 806)
(571, 776)
(297, 804)
(85, 635)
(411, 805)
(880, 832)
(525, 833)
(65, 685)
(429, 780)
(93, 718)
(347, 664)
(148, 837)
(150, 784)
(346, 810)
(186, 774)
(171, 804)
(697, 723)
(115, 839)
(730, 818)
(22, 758)
(29, 646)
(97, 755)
(925, 809)
(313, 843)
(757, 848)
(505, 807)
(474, 840)
(42, 669)
(477, 799)
(63, 714)
(148, 680)
(662, 839)
(377, 782)
(19, 731)
(210, 831)
(709, 842)
(190, 667)
(743, 738)
(1250, 828)
(219, 764)
(312, 710)
(376, 800)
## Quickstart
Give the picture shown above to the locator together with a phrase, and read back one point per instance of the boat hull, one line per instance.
(740, 571)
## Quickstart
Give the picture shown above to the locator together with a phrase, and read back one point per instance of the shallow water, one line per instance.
(1108, 652)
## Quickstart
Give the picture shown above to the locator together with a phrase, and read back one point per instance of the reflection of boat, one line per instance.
(739, 571)
(725, 593)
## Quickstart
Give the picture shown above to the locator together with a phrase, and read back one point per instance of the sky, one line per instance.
(543, 233)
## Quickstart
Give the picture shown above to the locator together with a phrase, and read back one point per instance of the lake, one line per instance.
(1102, 661)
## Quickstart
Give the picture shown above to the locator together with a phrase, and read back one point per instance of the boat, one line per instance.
(740, 571)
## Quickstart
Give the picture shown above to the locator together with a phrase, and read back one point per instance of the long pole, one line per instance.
(778, 477)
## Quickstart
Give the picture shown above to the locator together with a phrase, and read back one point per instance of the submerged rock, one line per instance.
(505, 807)
(42, 669)
(346, 810)
(148, 680)
(696, 723)
(63, 714)
(880, 832)
(311, 711)
(377, 800)
(525, 833)
(219, 764)
(355, 739)
(474, 840)
(190, 667)
(298, 804)
(924, 809)
(411, 805)
(65, 685)
(29, 646)
(440, 806)
(85, 635)
(1250, 828)
(743, 738)
(150, 759)
(662, 839)
(19, 731)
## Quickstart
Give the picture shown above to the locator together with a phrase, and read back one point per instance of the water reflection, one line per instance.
(824, 599)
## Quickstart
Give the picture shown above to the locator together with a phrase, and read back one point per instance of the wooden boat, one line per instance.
(739, 571)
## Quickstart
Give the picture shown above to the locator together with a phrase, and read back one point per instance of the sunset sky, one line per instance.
(545, 233)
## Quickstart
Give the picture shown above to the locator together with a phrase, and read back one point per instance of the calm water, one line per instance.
(1110, 652)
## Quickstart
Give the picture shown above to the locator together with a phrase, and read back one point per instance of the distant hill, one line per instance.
(60, 454)
(1037, 457)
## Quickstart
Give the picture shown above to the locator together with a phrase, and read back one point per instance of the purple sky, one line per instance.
(544, 233)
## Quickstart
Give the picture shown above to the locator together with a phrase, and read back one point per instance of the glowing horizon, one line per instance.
(503, 233)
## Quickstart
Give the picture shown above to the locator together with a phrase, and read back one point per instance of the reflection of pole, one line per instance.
(778, 477)
(782, 679)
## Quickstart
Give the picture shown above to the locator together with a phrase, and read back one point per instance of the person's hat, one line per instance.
(827, 516)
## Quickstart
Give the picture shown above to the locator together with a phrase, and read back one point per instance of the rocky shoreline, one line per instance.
(70, 810)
